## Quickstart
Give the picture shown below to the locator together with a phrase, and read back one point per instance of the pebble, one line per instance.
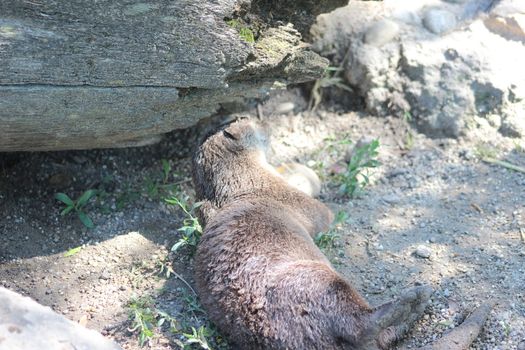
(423, 251)
(105, 275)
(391, 198)
(381, 32)
(439, 21)
(285, 108)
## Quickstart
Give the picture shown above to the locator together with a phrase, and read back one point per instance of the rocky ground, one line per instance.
(433, 213)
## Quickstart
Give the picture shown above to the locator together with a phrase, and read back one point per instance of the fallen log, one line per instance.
(80, 74)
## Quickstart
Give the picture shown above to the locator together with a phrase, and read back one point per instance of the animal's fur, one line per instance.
(259, 274)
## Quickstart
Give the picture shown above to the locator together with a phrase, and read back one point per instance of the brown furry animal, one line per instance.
(260, 276)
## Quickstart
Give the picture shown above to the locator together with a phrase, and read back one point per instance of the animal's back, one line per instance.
(258, 262)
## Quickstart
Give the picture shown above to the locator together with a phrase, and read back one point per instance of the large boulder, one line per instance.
(27, 325)
(443, 63)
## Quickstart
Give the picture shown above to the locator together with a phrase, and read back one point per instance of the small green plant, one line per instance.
(485, 151)
(166, 170)
(157, 185)
(164, 268)
(330, 78)
(191, 229)
(126, 196)
(356, 177)
(145, 318)
(199, 337)
(193, 304)
(326, 240)
(78, 206)
(72, 251)
(244, 31)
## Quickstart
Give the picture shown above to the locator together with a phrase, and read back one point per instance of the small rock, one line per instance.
(423, 251)
(494, 120)
(80, 159)
(59, 180)
(396, 172)
(467, 154)
(521, 346)
(391, 198)
(285, 108)
(381, 32)
(513, 125)
(105, 275)
(439, 21)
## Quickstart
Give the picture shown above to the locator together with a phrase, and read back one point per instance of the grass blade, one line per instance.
(86, 220)
(64, 198)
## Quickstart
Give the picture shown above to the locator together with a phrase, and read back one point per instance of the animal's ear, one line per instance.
(237, 130)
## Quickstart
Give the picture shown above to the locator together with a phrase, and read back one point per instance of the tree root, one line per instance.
(462, 336)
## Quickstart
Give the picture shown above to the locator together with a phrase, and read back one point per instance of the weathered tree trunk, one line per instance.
(87, 74)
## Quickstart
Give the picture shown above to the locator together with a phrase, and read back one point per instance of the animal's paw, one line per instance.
(389, 322)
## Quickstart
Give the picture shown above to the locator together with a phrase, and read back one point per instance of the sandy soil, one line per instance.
(434, 214)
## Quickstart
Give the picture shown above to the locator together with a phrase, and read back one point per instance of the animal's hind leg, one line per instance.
(389, 322)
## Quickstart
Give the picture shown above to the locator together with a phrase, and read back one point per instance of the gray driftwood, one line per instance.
(87, 74)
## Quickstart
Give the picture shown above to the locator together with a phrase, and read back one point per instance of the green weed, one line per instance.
(484, 151)
(356, 177)
(192, 333)
(157, 185)
(78, 206)
(192, 303)
(164, 268)
(127, 196)
(145, 318)
(327, 240)
(199, 337)
(72, 251)
(191, 229)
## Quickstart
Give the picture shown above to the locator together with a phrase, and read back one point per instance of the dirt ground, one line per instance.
(433, 214)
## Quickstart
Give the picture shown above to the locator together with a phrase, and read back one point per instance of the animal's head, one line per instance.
(226, 153)
(243, 135)
(234, 139)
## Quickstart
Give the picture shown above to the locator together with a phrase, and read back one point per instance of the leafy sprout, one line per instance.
(191, 229)
(78, 206)
(356, 177)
